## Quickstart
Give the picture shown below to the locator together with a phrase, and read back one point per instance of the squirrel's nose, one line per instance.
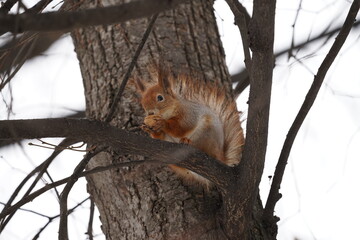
(150, 113)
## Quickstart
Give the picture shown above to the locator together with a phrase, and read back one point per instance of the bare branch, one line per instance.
(50, 219)
(5, 8)
(262, 39)
(293, 27)
(63, 228)
(242, 77)
(25, 50)
(42, 168)
(91, 220)
(243, 80)
(102, 134)
(274, 194)
(54, 21)
(32, 196)
(14, 56)
(130, 68)
(5, 143)
(242, 20)
(39, 6)
(239, 199)
(10, 54)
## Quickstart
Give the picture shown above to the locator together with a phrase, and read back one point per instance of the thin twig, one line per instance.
(91, 220)
(242, 77)
(21, 62)
(63, 228)
(52, 180)
(50, 219)
(38, 7)
(293, 27)
(274, 194)
(30, 211)
(50, 186)
(242, 84)
(53, 146)
(242, 20)
(130, 68)
(41, 169)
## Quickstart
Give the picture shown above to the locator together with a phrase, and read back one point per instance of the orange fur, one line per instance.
(182, 109)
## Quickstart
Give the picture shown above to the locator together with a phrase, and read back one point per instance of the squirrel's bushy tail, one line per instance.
(215, 97)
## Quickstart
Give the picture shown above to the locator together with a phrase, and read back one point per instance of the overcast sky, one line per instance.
(320, 187)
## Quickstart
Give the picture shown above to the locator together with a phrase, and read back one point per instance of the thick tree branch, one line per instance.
(55, 21)
(262, 39)
(102, 134)
(274, 194)
(5, 8)
(240, 198)
(7, 142)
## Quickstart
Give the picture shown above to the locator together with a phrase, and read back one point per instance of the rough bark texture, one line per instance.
(149, 202)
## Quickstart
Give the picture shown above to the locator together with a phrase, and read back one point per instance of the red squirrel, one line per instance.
(183, 110)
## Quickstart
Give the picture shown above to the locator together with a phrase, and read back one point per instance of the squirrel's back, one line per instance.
(213, 96)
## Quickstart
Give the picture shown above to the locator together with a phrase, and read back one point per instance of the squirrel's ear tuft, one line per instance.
(139, 85)
(163, 79)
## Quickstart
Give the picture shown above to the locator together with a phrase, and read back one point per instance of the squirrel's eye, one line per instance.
(160, 98)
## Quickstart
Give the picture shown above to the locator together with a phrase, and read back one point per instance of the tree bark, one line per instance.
(149, 202)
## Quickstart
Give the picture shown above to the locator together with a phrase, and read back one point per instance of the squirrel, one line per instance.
(183, 110)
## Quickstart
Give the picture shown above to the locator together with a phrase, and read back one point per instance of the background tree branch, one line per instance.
(26, 199)
(63, 225)
(242, 77)
(242, 20)
(56, 21)
(39, 170)
(274, 194)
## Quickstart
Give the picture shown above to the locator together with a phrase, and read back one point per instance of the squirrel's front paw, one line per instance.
(185, 140)
(146, 128)
(154, 123)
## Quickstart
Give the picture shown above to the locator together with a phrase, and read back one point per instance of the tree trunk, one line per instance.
(149, 201)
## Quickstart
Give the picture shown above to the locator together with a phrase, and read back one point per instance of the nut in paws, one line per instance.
(154, 122)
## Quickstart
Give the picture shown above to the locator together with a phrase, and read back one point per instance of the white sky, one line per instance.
(321, 182)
